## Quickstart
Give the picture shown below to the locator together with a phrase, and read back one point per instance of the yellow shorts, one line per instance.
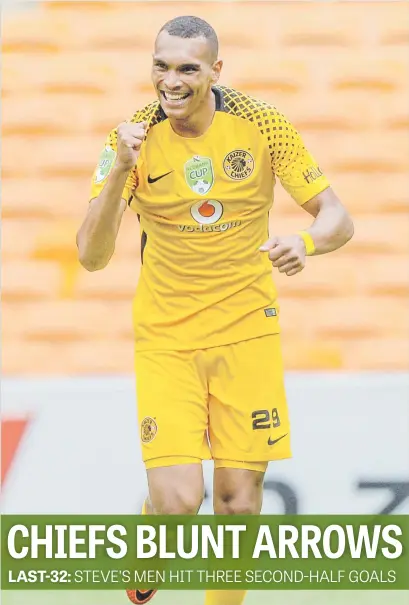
(227, 403)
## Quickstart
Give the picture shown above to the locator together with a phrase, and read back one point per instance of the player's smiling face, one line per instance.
(183, 73)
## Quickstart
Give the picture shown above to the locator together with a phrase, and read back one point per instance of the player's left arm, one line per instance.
(332, 226)
(302, 178)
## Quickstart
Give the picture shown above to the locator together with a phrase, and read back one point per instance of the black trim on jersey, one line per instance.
(219, 98)
(144, 239)
(162, 115)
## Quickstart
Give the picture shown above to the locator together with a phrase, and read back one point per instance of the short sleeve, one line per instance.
(106, 161)
(292, 163)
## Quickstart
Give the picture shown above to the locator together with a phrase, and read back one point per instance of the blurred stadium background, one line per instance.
(71, 72)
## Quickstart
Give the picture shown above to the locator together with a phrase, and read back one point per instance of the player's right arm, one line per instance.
(113, 182)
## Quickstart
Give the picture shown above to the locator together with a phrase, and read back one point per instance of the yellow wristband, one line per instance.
(308, 241)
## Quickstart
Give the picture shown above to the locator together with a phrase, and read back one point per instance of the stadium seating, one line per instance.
(72, 71)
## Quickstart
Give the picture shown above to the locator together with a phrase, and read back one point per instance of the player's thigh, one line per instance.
(248, 413)
(172, 407)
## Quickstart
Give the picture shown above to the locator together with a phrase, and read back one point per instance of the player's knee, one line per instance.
(230, 504)
(178, 501)
(182, 504)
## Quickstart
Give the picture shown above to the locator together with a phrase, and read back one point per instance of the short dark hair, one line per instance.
(193, 27)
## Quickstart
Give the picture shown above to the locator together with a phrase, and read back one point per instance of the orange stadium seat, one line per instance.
(63, 199)
(33, 33)
(24, 281)
(19, 239)
(68, 155)
(356, 153)
(66, 73)
(115, 283)
(84, 357)
(376, 75)
(362, 318)
(389, 196)
(309, 354)
(396, 37)
(386, 278)
(399, 122)
(73, 71)
(381, 354)
(373, 235)
(39, 115)
(103, 356)
(71, 321)
(315, 284)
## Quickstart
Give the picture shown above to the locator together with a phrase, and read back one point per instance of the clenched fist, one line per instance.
(130, 139)
(286, 253)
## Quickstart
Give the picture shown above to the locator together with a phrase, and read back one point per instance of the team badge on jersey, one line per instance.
(106, 161)
(238, 164)
(149, 428)
(199, 174)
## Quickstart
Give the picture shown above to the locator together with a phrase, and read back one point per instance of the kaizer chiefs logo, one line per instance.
(207, 212)
(149, 428)
(238, 164)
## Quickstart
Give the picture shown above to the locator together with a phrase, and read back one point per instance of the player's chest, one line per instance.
(174, 178)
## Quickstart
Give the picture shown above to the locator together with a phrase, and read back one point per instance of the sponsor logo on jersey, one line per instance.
(154, 179)
(199, 174)
(312, 174)
(106, 161)
(149, 428)
(206, 228)
(238, 164)
(207, 212)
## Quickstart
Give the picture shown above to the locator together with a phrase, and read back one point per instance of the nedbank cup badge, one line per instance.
(149, 428)
(199, 174)
(106, 161)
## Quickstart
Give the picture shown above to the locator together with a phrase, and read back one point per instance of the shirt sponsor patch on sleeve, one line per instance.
(312, 174)
(106, 161)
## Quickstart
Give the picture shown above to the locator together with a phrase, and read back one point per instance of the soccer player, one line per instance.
(198, 166)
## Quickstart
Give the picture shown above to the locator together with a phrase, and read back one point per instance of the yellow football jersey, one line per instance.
(203, 205)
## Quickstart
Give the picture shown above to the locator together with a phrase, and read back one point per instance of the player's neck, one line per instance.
(196, 125)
